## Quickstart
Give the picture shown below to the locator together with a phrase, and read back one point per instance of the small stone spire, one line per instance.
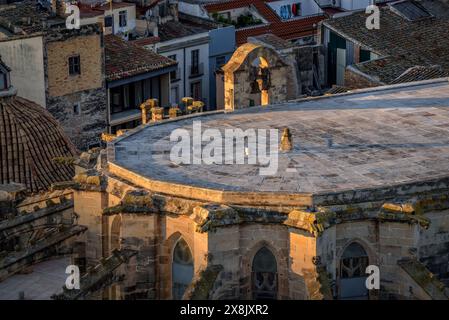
(286, 140)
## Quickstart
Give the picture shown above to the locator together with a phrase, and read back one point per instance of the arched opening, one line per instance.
(182, 269)
(260, 62)
(353, 265)
(262, 80)
(264, 275)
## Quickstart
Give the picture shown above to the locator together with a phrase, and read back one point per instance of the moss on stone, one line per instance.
(424, 278)
(325, 288)
(67, 161)
(202, 286)
(139, 198)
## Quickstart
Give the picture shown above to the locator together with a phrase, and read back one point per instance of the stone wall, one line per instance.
(78, 102)
(240, 76)
(89, 206)
(307, 245)
(83, 129)
(90, 50)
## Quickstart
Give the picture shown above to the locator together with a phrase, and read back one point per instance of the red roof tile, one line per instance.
(146, 41)
(331, 11)
(286, 30)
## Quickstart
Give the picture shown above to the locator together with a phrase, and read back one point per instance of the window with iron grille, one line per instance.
(74, 65)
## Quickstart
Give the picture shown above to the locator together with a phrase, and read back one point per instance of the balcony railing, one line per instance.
(196, 70)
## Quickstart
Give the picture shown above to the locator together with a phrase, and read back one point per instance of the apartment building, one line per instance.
(57, 68)
(199, 46)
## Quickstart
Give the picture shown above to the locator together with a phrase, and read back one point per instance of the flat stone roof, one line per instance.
(380, 137)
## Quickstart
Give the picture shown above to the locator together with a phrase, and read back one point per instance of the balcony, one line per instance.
(196, 70)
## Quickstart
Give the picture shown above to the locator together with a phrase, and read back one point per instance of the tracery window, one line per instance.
(182, 269)
(353, 262)
(264, 275)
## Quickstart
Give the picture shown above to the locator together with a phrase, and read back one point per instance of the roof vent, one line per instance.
(410, 10)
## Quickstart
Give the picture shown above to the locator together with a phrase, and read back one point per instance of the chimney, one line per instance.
(286, 141)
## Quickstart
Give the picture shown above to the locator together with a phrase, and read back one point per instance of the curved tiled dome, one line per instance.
(30, 140)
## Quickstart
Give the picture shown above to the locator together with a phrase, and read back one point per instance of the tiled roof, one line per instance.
(146, 41)
(420, 73)
(337, 89)
(176, 29)
(263, 9)
(30, 141)
(115, 5)
(288, 30)
(400, 43)
(331, 11)
(384, 70)
(29, 18)
(125, 59)
(24, 17)
(89, 12)
(274, 41)
(187, 25)
(242, 35)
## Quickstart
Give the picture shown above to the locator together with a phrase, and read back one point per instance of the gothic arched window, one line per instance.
(182, 269)
(353, 265)
(354, 261)
(264, 275)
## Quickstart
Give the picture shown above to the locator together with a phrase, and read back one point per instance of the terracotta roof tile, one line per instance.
(420, 73)
(287, 30)
(146, 41)
(400, 43)
(126, 59)
(30, 141)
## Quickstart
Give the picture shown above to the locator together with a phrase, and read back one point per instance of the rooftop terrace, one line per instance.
(380, 137)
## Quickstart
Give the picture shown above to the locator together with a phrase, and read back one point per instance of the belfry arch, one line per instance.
(257, 75)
